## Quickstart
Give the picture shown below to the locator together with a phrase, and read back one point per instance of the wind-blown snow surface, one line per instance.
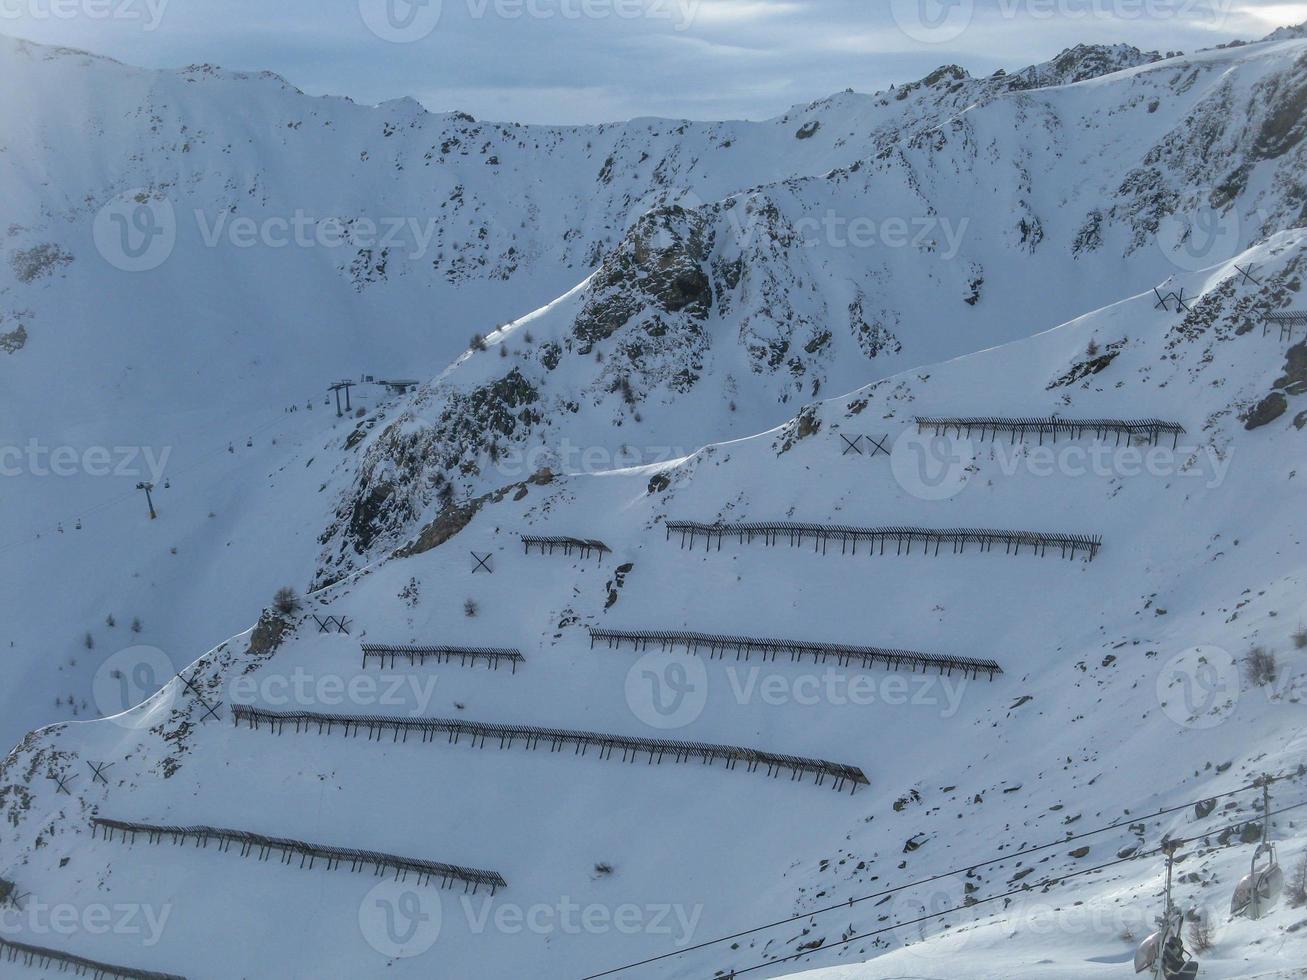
(717, 318)
(1089, 723)
(209, 348)
(1022, 208)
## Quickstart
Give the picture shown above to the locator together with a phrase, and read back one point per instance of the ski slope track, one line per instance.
(740, 357)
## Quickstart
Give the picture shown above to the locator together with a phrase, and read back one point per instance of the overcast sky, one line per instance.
(568, 61)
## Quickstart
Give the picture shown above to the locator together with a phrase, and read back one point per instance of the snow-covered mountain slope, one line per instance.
(176, 276)
(1026, 207)
(1103, 711)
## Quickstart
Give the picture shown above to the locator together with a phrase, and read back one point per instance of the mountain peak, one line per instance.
(1083, 62)
(1290, 32)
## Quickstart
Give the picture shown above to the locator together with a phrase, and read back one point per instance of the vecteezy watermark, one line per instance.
(932, 21)
(838, 687)
(1199, 687)
(1195, 240)
(137, 231)
(933, 233)
(406, 21)
(130, 677)
(569, 458)
(37, 459)
(941, 21)
(570, 918)
(925, 231)
(933, 911)
(149, 13)
(667, 690)
(35, 919)
(400, 21)
(932, 467)
(306, 690)
(399, 920)
(937, 467)
(409, 235)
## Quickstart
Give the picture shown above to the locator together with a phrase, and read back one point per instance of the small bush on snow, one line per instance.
(1261, 666)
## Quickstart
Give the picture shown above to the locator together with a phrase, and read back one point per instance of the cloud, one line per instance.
(575, 61)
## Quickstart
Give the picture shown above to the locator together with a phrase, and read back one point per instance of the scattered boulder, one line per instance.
(1267, 410)
(14, 341)
(1295, 370)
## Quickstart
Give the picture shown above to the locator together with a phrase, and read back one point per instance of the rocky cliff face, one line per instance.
(988, 210)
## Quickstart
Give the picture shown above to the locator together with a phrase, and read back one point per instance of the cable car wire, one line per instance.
(1016, 891)
(1257, 784)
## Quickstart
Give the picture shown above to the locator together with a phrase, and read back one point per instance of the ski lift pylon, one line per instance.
(1162, 954)
(1260, 889)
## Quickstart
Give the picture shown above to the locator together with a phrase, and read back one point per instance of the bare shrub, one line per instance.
(1296, 887)
(1261, 666)
(286, 601)
(1201, 937)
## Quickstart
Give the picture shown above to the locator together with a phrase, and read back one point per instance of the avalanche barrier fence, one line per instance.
(903, 538)
(42, 957)
(375, 727)
(1287, 321)
(386, 655)
(309, 854)
(1019, 428)
(547, 544)
(745, 647)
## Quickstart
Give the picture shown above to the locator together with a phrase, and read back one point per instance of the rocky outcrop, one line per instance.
(14, 341)
(657, 271)
(760, 278)
(1267, 410)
